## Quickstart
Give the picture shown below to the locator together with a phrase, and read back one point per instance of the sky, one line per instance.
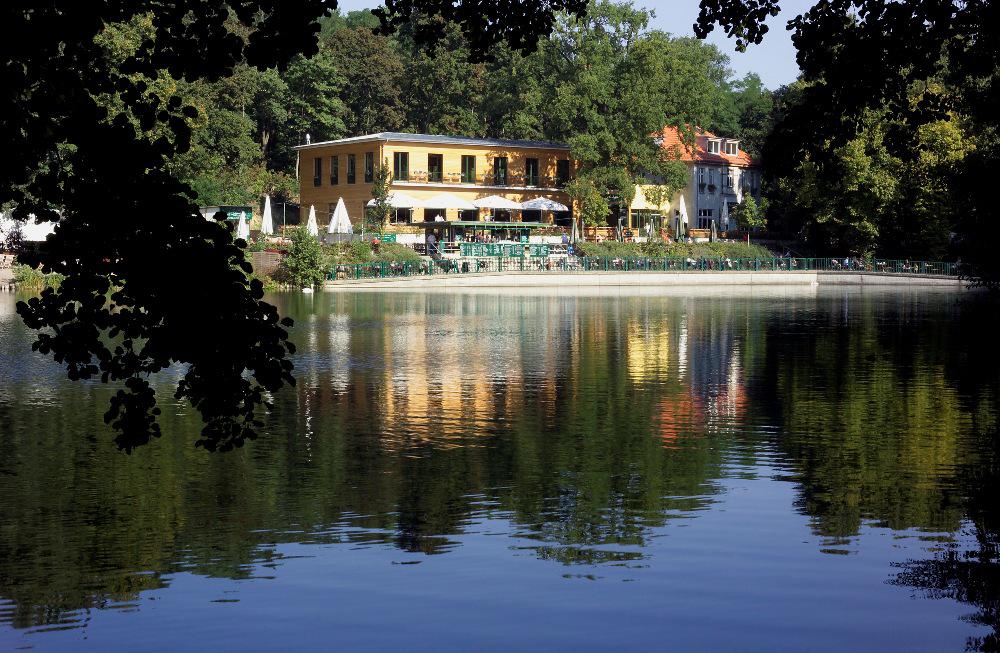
(773, 60)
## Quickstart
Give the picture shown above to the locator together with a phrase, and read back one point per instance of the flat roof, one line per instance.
(437, 139)
(477, 223)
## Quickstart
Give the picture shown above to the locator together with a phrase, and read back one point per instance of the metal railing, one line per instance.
(390, 269)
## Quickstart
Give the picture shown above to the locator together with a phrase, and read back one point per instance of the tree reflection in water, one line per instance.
(585, 426)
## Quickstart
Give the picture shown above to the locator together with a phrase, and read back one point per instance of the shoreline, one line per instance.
(601, 279)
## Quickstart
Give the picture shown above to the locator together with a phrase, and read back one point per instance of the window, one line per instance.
(468, 169)
(401, 166)
(704, 218)
(711, 177)
(369, 167)
(435, 167)
(334, 170)
(531, 172)
(728, 173)
(704, 213)
(732, 148)
(701, 175)
(713, 147)
(562, 172)
(400, 216)
(351, 169)
(469, 215)
(317, 171)
(500, 171)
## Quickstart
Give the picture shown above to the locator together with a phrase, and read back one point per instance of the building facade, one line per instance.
(445, 175)
(720, 175)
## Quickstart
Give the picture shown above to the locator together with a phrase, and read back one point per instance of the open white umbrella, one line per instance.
(496, 202)
(543, 204)
(340, 222)
(266, 223)
(402, 201)
(243, 228)
(311, 225)
(449, 201)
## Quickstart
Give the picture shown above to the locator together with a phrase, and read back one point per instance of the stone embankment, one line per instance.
(648, 279)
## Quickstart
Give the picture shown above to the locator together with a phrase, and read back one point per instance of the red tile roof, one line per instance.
(699, 153)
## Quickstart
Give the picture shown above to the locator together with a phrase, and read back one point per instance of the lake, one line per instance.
(712, 470)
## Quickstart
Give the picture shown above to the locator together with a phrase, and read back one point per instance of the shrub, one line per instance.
(29, 278)
(305, 264)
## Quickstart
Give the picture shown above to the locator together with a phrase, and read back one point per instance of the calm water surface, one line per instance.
(785, 471)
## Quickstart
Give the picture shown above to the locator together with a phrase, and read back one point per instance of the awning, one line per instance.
(401, 201)
(543, 204)
(448, 201)
(497, 202)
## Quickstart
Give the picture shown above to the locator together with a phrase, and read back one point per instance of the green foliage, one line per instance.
(361, 252)
(593, 204)
(750, 214)
(305, 264)
(33, 279)
(663, 250)
(378, 215)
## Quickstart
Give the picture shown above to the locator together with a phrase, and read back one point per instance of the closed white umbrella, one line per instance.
(496, 202)
(724, 218)
(340, 222)
(402, 201)
(266, 223)
(575, 233)
(311, 225)
(682, 208)
(543, 204)
(243, 228)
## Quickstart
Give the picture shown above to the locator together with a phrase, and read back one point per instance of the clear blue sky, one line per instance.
(773, 60)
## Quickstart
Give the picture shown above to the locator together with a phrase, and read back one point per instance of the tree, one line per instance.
(304, 266)
(912, 62)
(119, 315)
(381, 187)
(593, 204)
(372, 72)
(613, 84)
(749, 214)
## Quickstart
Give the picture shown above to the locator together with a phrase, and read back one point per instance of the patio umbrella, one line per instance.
(496, 202)
(543, 204)
(714, 236)
(682, 220)
(724, 218)
(449, 201)
(243, 227)
(311, 225)
(402, 201)
(340, 222)
(266, 224)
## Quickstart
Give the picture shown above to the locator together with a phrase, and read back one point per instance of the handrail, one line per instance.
(388, 269)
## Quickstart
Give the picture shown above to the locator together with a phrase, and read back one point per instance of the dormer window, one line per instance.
(732, 148)
(713, 147)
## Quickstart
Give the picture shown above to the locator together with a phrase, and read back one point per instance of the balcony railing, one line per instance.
(456, 178)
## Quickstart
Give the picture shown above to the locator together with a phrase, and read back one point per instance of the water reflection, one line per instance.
(581, 430)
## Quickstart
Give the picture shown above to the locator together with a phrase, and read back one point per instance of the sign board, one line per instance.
(233, 212)
(387, 238)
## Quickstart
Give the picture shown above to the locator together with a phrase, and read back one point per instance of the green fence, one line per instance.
(500, 263)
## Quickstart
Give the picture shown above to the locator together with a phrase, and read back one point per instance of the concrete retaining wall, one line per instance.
(633, 279)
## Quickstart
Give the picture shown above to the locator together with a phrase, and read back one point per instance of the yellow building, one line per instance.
(439, 177)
